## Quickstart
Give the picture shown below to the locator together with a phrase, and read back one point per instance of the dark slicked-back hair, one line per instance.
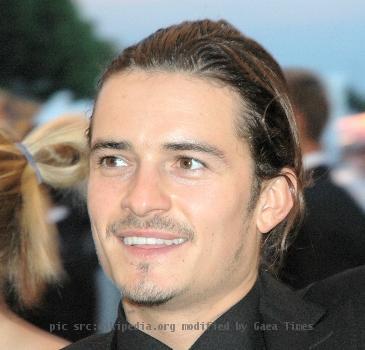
(219, 52)
(309, 98)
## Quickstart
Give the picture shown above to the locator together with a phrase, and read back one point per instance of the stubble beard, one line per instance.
(146, 292)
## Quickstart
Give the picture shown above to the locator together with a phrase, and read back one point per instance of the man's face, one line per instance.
(169, 189)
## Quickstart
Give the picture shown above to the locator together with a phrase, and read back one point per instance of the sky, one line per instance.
(327, 36)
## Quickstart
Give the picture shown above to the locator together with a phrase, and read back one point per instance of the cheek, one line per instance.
(100, 250)
(102, 198)
(214, 208)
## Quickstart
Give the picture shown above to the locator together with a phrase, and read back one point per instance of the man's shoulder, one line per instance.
(345, 286)
(94, 342)
(324, 188)
(329, 314)
(343, 297)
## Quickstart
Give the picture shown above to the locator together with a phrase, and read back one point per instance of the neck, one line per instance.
(167, 322)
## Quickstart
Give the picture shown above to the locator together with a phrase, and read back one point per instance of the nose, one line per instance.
(146, 193)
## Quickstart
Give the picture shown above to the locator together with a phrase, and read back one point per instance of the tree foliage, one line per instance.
(46, 46)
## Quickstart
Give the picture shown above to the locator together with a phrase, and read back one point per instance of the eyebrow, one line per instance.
(195, 147)
(171, 146)
(117, 145)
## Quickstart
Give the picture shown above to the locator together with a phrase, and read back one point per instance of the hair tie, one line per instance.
(24, 150)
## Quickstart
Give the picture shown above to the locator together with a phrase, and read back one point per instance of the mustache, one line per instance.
(157, 222)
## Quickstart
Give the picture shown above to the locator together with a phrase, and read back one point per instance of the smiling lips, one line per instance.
(151, 240)
(136, 241)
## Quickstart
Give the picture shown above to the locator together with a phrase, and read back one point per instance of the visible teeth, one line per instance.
(151, 241)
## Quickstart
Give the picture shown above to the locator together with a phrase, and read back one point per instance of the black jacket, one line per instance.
(327, 315)
(331, 238)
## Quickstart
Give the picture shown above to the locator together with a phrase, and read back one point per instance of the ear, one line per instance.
(276, 200)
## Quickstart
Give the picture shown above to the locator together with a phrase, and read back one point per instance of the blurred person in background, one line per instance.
(61, 304)
(68, 309)
(351, 173)
(332, 235)
(43, 50)
(53, 155)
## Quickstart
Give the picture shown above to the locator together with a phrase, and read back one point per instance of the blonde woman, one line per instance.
(54, 155)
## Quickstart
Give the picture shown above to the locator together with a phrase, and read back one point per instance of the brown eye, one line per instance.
(112, 162)
(186, 163)
(190, 164)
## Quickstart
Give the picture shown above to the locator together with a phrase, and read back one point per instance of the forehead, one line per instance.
(148, 106)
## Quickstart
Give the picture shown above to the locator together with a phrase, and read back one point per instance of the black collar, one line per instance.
(238, 328)
(271, 316)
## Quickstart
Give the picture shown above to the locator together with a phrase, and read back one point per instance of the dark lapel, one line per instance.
(300, 324)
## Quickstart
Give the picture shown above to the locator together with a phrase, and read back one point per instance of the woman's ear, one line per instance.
(276, 200)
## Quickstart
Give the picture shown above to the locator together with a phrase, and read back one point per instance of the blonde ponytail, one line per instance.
(29, 254)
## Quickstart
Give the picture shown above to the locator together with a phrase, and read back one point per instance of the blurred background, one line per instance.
(53, 51)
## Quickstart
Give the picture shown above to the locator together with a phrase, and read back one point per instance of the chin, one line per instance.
(147, 294)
